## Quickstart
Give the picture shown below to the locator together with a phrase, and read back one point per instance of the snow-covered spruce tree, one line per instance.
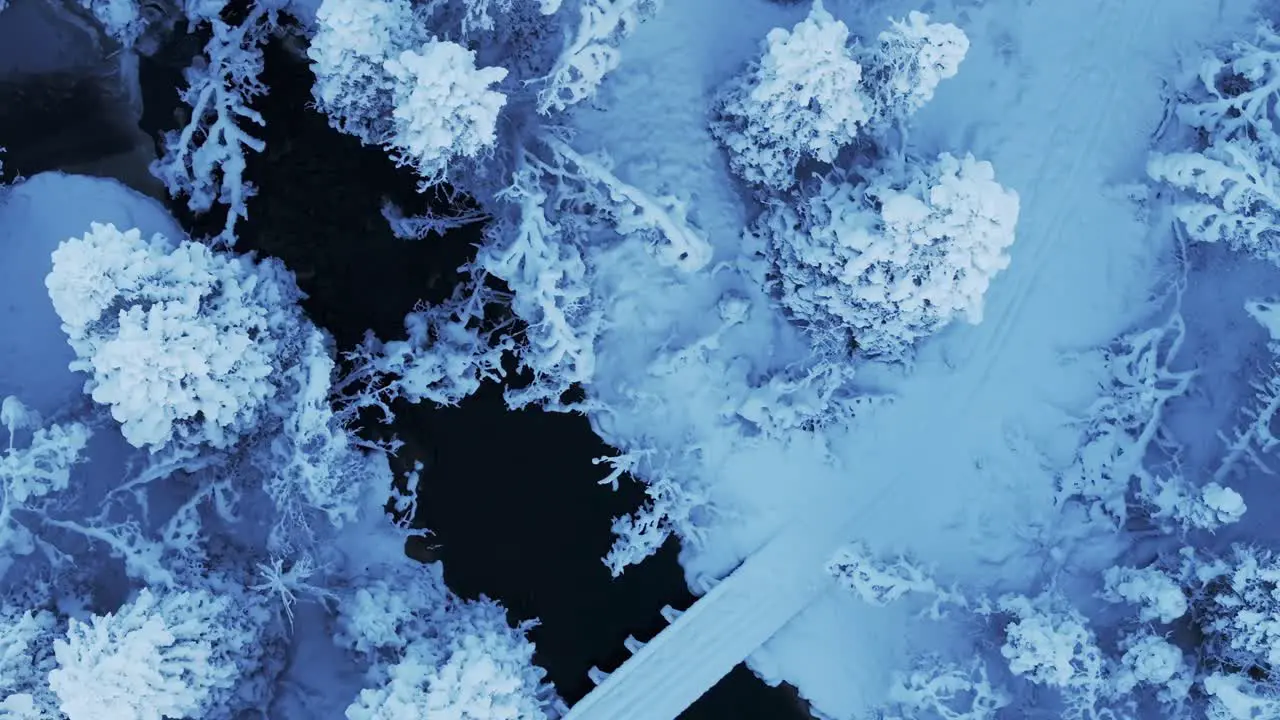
(1234, 601)
(182, 343)
(178, 654)
(811, 93)
(1229, 178)
(1228, 607)
(1151, 661)
(444, 107)
(878, 263)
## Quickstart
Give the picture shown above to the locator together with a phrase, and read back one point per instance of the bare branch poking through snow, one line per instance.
(1256, 436)
(289, 584)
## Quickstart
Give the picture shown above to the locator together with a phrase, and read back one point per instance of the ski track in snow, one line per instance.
(952, 472)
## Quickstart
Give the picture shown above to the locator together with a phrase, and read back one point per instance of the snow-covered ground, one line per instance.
(1062, 98)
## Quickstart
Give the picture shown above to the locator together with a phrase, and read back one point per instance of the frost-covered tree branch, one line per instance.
(634, 211)
(29, 474)
(1124, 425)
(444, 358)
(1229, 179)
(205, 161)
(590, 51)
(548, 277)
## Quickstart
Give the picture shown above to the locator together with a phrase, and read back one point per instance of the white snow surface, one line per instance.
(1062, 98)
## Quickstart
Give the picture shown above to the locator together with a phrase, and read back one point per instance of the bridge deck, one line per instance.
(723, 627)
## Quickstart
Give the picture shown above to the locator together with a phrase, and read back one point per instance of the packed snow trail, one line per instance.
(1061, 97)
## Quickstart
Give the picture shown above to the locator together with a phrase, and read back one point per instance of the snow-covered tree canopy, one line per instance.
(177, 655)
(812, 92)
(432, 654)
(801, 99)
(886, 260)
(373, 56)
(180, 342)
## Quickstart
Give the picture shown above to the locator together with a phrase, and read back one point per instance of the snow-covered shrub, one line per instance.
(180, 654)
(1151, 660)
(1050, 643)
(800, 100)
(205, 161)
(1177, 505)
(943, 690)
(432, 654)
(590, 52)
(911, 58)
(1158, 596)
(1229, 180)
(26, 657)
(184, 344)
(670, 508)
(886, 261)
(28, 474)
(444, 107)
(1125, 425)
(444, 358)
(1235, 603)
